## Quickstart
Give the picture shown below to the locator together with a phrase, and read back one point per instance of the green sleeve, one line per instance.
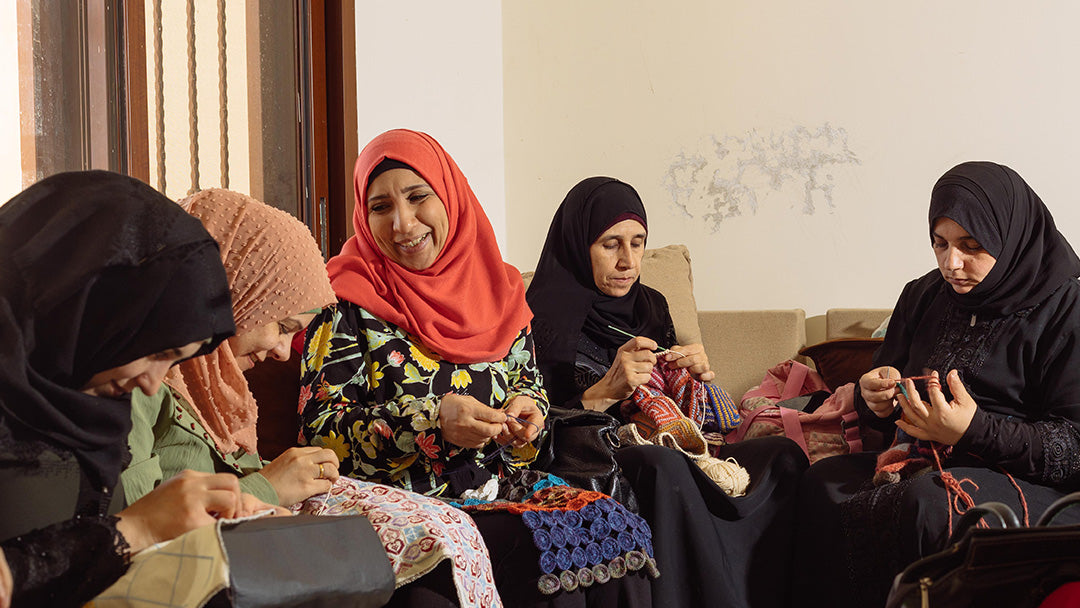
(144, 472)
(258, 486)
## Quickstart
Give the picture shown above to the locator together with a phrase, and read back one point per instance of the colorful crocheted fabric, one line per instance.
(584, 537)
(906, 458)
(417, 532)
(673, 403)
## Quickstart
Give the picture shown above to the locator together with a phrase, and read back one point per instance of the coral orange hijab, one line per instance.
(469, 305)
(275, 270)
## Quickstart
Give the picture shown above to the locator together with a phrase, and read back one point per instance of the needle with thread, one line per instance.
(900, 384)
(658, 351)
(505, 446)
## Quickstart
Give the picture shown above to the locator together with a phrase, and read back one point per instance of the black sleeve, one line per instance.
(1045, 447)
(68, 563)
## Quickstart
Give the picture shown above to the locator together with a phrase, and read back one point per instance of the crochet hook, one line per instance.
(506, 446)
(658, 351)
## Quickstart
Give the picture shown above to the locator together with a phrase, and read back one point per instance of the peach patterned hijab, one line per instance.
(275, 270)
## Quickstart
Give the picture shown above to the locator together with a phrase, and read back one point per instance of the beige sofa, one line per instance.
(743, 344)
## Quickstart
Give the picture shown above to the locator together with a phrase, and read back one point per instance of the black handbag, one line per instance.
(306, 560)
(580, 448)
(1010, 565)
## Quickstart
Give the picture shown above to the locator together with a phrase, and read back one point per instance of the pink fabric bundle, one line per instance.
(275, 270)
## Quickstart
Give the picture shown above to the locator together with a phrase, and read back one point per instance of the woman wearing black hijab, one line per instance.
(997, 326)
(711, 547)
(104, 283)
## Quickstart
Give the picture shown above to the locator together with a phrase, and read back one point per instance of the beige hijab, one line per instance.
(275, 270)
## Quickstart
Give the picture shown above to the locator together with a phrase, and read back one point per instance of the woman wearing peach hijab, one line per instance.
(206, 420)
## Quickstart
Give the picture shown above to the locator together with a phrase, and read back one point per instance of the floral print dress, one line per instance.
(370, 392)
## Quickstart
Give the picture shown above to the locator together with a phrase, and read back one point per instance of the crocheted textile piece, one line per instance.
(722, 413)
(584, 537)
(417, 532)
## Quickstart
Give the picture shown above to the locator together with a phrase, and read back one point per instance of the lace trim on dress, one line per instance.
(1061, 451)
(67, 563)
(962, 344)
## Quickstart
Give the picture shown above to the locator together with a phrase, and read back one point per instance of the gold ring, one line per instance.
(320, 471)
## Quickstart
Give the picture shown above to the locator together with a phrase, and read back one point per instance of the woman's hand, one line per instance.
(187, 501)
(7, 584)
(878, 389)
(467, 423)
(941, 421)
(300, 473)
(694, 359)
(250, 505)
(631, 368)
(518, 432)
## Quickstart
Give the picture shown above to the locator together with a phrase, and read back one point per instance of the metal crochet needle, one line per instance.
(658, 351)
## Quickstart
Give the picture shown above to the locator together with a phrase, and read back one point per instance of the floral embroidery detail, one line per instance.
(422, 358)
(395, 358)
(319, 346)
(427, 445)
(334, 442)
(376, 375)
(460, 379)
(305, 396)
(383, 429)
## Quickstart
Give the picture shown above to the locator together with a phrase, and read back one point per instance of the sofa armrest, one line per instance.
(743, 344)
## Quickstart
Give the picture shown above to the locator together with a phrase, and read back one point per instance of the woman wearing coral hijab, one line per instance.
(423, 377)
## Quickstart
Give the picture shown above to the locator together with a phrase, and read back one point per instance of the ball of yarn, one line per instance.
(728, 474)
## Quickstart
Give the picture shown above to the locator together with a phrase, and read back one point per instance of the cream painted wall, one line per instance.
(437, 67)
(623, 88)
(10, 153)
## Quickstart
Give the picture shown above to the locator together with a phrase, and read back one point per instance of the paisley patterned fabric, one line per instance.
(418, 533)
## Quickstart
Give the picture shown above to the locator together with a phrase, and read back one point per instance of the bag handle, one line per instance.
(794, 383)
(1059, 505)
(1005, 517)
(792, 427)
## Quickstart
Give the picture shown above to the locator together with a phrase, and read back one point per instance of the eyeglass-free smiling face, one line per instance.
(407, 219)
(267, 340)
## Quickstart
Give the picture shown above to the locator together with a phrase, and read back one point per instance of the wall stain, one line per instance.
(730, 176)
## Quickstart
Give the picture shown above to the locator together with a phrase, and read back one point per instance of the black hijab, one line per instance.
(997, 207)
(98, 270)
(563, 295)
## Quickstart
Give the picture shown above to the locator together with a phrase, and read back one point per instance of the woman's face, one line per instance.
(267, 340)
(407, 220)
(146, 373)
(616, 257)
(961, 259)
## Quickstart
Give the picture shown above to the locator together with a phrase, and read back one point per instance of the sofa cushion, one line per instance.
(667, 270)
